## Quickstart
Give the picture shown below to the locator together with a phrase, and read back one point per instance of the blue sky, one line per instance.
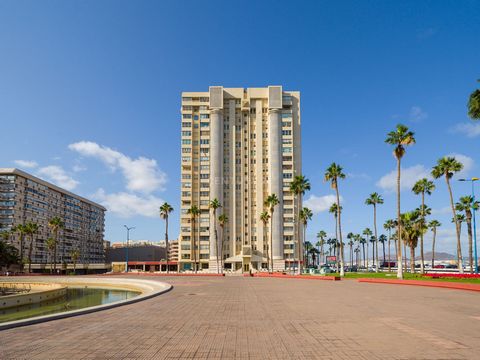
(90, 94)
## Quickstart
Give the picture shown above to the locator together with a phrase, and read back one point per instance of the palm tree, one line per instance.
(447, 166)
(299, 185)
(373, 240)
(383, 240)
(367, 232)
(214, 205)
(375, 199)
(265, 217)
(51, 244)
(399, 138)
(334, 210)
(422, 187)
(412, 227)
(74, 255)
(389, 225)
(55, 224)
(222, 221)
(351, 243)
(363, 242)
(271, 201)
(165, 211)
(433, 225)
(31, 229)
(194, 212)
(308, 247)
(333, 173)
(466, 204)
(321, 235)
(474, 104)
(22, 232)
(305, 216)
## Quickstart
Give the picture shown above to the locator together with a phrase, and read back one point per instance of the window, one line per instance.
(186, 133)
(195, 117)
(287, 150)
(187, 116)
(286, 132)
(186, 141)
(286, 116)
(287, 175)
(204, 116)
(186, 124)
(204, 141)
(186, 150)
(187, 107)
(186, 99)
(203, 124)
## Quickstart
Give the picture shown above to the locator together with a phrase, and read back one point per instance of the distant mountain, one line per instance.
(438, 256)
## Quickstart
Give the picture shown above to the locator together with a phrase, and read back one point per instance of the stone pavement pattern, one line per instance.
(265, 318)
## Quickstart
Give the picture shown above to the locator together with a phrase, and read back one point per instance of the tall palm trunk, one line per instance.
(383, 246)
(405, 253)
(30, 248)
(457, 227)
(194, 249)
(367, 254)
(422, 258)
(216, 240)
(399, 227)
(22, 241)
(300, 249)
(389, 239)
(376, 237)
(221, 252)
(342, 270)
(166, 242)
(470, 242)
(55, 234)
(412, 259)
(271, 241)
(363, 246)
(306, 252)
(434, 230)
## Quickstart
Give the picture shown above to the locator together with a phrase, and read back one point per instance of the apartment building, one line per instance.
(25, 198)
(238, 145)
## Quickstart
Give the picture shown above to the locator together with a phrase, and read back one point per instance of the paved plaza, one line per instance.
(265, 318)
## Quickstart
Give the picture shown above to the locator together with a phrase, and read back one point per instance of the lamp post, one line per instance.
(126, 249)
(472, 180)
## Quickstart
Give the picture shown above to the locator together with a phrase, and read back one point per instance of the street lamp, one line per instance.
(126, 251)
(472, 180)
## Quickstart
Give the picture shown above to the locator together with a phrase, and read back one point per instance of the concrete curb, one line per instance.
(158, 288)
(163, 275)
(435, 284)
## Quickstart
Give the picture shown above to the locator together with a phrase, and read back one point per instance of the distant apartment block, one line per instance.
(239, 145)
(25, 198)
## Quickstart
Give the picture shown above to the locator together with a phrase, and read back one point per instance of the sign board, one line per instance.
(331, 260)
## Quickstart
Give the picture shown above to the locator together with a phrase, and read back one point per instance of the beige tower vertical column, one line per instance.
(275, 179)
(259, 177)
(216, 169)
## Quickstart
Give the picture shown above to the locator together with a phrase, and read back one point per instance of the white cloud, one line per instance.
(79, 168)
(141, 174)
(58, 176)
(409, 177)
(126, 205)
(320, 203)
(467, 162)
(417, 114)
(468, 129)
(28, 164)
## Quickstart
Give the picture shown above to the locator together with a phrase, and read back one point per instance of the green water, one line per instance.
(76, 298)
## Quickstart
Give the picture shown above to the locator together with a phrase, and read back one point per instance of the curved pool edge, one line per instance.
(148, 289)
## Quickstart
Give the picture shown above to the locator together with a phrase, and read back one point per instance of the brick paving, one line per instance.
(265, 318)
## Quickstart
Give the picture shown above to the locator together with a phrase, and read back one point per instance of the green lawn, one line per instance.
(406, 276)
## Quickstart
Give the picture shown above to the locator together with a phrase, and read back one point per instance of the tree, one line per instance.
(265, 218)
(55, 224)
(474, 104)
(51, 244)
(367, 232)
(31, 229)
(321, 235)
(466, 204)
(350, 243)
(74, 255)
(447, 166)
(194, 212)
(222, 221)
(271, 201)
(363, 242)
(422, 187)
(399, 138)
(299, 185)
(373, 240)
(412, 227)
(433, 225)
(8, 253)
(389, 225)
(383, 240)
(333, 173)
(334, 210)
(165, 211)
(214, 205)
(305, 216)
(22, 232)
(375, 199)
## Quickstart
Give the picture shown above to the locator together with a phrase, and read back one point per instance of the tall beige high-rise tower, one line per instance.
(238, 146)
